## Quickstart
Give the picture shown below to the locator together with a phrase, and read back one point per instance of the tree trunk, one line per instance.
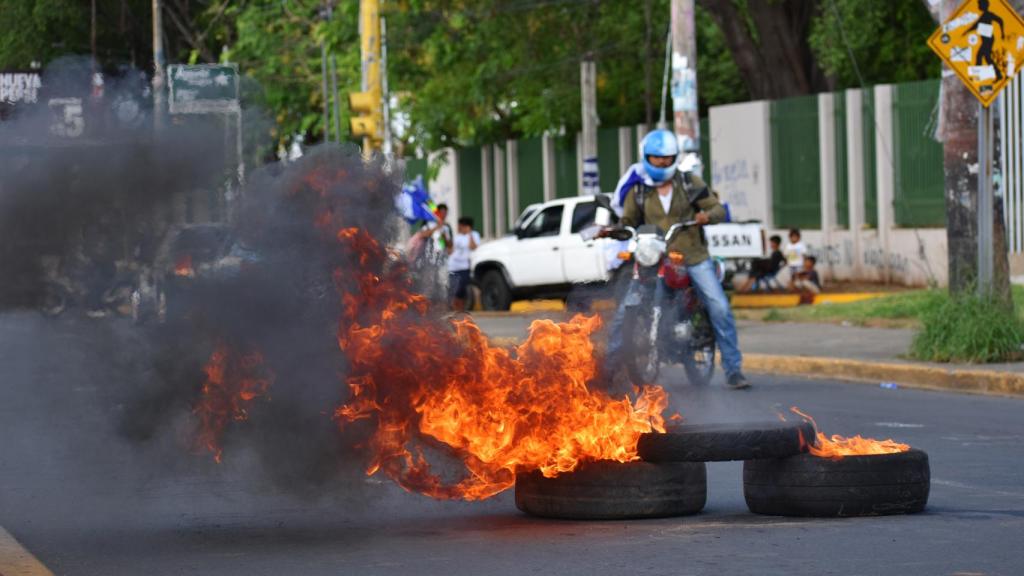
(777, 61)
(959, 134)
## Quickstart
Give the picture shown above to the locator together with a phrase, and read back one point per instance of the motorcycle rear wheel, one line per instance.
(699, 356)
(642, 368)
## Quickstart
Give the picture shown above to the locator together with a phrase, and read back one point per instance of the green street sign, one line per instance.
(203, 88)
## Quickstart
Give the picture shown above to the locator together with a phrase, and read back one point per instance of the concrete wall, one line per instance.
(741, 158)
(741, 172)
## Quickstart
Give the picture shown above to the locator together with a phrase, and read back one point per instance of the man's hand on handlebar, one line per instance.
(701, 219)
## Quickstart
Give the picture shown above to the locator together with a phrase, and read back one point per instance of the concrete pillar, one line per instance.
(445, 186)
(827, 168)
(580, 190)
(512, 180)
(487, 169)
(500, 194)
(886, 173)
(855, 174)
(626, 149)
(548, 152)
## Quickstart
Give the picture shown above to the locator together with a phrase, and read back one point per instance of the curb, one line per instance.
(988, 382)
(970, 381)
(739, 301)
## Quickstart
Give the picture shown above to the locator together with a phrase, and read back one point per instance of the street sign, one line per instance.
(203, 88)
(983, 42)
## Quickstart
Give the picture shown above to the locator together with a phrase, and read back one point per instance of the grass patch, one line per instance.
(970, 329)
(898, 310)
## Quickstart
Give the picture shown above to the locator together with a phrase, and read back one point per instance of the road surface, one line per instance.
(84, 500)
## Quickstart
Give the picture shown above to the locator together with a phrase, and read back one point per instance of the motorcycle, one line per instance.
(675, 331)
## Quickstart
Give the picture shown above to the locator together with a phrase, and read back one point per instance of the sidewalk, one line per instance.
(872, 355)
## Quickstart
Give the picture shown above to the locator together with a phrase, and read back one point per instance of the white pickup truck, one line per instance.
(546, 253)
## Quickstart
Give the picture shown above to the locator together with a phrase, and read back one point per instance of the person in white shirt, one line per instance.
(794, 252)
(466, 240)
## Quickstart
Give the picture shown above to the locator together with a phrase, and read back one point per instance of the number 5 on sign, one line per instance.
(983, 42)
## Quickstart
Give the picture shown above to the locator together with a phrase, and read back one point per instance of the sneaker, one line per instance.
(737, 381)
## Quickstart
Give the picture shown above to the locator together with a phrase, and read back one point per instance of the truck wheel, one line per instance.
(494, 292)
(808, 485)
(614, 490)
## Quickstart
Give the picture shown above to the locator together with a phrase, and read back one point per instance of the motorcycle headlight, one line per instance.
(649, 251)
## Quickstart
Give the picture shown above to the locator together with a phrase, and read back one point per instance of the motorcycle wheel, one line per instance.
(642, 359)
(699, 356)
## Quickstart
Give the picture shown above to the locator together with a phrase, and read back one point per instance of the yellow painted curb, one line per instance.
(527, 306)
(846, 298)
(765, 300)
(16, 561)
(908, 375)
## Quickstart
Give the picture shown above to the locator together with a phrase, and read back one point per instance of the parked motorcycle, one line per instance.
(676, 331)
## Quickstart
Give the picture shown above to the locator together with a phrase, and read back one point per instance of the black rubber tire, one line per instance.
(808, 485)
(494, 292)
(724, 442)
(615, 490)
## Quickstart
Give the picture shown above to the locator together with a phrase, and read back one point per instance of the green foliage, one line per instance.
(887, 38)
(969, 329)
(278, 46)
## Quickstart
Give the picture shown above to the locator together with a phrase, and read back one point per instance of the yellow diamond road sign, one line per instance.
(983, 42)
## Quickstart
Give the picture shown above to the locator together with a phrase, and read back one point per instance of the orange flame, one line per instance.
(429, 383)
(183, 267)
(231, 385)
(837, 446)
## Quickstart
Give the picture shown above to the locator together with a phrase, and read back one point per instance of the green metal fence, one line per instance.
(869, 132)
(705, 148)
(919, 200)
(470, 185)
(841, 160)
(608, 158)
(796, 180)
(566, 169)
(530, 169)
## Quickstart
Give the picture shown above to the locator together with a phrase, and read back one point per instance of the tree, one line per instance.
(769, 43)
(886, 40)
(959, 134)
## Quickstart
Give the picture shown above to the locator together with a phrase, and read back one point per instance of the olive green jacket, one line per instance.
(690, 241)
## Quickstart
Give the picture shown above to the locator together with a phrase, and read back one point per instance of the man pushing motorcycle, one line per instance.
(655, 192)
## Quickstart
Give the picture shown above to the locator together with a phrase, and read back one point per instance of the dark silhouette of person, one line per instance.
(985, 50)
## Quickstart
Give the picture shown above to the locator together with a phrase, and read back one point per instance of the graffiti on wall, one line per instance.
(735, 181)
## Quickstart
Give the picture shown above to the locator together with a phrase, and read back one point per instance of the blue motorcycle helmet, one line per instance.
(660, 143)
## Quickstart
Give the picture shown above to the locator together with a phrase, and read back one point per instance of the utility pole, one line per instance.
(385, 92)
(159, 74)
(368, 102)
(686, 121)
(591, 183)
(323, 82)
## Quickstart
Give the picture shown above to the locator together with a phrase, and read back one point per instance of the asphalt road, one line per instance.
(86, 501)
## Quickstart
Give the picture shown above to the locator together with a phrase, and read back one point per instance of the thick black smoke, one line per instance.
(111, 195)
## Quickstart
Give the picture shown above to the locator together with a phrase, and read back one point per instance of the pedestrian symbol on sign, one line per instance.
(982, 42)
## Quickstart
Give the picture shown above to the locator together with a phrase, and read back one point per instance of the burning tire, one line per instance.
(615, 490)
(809, 485)
(724, 442)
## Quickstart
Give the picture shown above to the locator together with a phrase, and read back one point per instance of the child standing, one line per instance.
(466, 240)
(794, 252)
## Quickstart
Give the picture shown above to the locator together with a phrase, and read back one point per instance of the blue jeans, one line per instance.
(709, 290)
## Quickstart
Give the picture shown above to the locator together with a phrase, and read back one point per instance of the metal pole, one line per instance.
(334, 83)
(159, 75)
(665, 80)
(684, 69)
(323, 86)
(985, 201)
(588, 86)
(385, 92)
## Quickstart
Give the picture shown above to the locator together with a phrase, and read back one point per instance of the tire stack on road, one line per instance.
(779, 477)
